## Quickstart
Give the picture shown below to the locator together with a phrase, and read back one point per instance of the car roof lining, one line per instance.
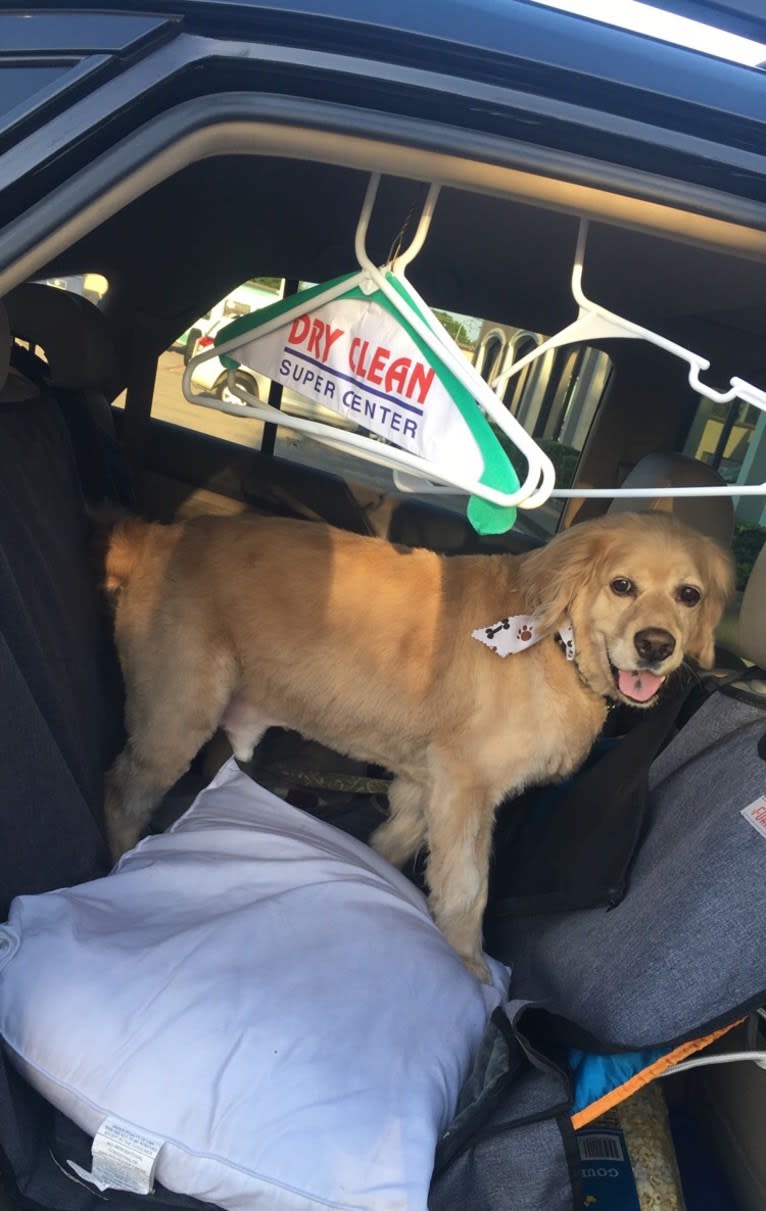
(248, 198)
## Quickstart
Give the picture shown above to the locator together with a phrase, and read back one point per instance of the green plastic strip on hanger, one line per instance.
(368, 347)
(330, 354)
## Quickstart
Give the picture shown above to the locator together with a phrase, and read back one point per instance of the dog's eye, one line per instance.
(688, 595)
(622, 586)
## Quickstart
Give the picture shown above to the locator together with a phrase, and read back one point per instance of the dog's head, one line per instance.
(642, 592)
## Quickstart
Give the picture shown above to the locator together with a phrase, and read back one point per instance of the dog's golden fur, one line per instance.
(366, 647)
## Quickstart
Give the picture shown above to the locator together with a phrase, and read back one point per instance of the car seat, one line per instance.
(60, 710)
(712, 515)
(77, 369)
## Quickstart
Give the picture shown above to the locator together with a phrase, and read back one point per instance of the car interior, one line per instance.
(92, 410)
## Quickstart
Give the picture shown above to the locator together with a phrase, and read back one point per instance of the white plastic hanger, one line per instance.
(540, 479)
(595, 323)
(540, 476)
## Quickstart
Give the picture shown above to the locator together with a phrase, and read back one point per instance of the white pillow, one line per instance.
(262, 993)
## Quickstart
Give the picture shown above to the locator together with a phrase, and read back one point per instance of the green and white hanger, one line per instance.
(369, 347)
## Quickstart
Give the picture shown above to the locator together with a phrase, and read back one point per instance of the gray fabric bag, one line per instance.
(683, 954)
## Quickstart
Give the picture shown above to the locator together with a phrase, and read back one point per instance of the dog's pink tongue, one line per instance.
(638, 684)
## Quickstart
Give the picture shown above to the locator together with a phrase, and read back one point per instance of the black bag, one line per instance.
(571, 845)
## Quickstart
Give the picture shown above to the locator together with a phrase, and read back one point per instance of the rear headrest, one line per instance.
(711, 515)
(5, 346)
(71, 330)
(752, 614)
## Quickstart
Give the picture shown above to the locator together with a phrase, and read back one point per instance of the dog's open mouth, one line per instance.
(638, 685)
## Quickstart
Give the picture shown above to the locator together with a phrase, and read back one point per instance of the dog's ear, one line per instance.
(553, 575)
(718, 573)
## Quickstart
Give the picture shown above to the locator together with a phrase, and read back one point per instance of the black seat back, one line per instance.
(76, 340)
(60, 706)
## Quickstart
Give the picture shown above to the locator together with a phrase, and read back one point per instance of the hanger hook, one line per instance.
(396, 243)
(404, 258)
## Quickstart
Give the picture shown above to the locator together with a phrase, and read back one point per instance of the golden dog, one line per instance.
(380, 652)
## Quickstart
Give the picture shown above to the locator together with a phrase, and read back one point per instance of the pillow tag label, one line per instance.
(755, 814)
(123, 1158)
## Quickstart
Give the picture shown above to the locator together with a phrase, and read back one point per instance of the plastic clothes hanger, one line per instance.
(400, 375)
(594, 323)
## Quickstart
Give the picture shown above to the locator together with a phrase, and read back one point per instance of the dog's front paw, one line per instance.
(397, 840)
(123, 828)
(121, 836)
(391, 843)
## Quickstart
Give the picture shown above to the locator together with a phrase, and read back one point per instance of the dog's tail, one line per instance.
(125, 546)
(119, 541)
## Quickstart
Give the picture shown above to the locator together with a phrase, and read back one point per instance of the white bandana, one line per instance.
(520, 631)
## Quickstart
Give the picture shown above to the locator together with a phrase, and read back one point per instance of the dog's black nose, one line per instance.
(653, 644)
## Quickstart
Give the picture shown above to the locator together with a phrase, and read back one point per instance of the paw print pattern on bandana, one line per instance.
(509, 634)
(518, 632)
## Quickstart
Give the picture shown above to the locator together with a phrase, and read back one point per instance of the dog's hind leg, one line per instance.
(165, 731)
(404, 832)
(460, 821)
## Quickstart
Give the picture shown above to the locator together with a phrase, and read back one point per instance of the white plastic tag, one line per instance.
(755, 814)
(123, 1158)
(566, 635)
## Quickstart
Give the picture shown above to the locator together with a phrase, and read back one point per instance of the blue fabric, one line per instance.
(594, 1076)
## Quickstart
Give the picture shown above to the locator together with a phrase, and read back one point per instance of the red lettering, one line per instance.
(361, 368)
(299, 330)
(356, 342)
(317, 328)
(375, 372)
(396, 375)
(330, 337)
(420, 381)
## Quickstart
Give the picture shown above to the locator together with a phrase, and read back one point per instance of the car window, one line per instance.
(18, 83)
(555, 398)
(732, 439)
(210, 377)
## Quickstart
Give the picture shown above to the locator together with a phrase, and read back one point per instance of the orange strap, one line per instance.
(645, 1076)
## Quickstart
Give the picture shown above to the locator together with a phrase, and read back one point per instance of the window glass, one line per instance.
(210, 377)
(732, 438)
(555, 397)
(19, 82)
